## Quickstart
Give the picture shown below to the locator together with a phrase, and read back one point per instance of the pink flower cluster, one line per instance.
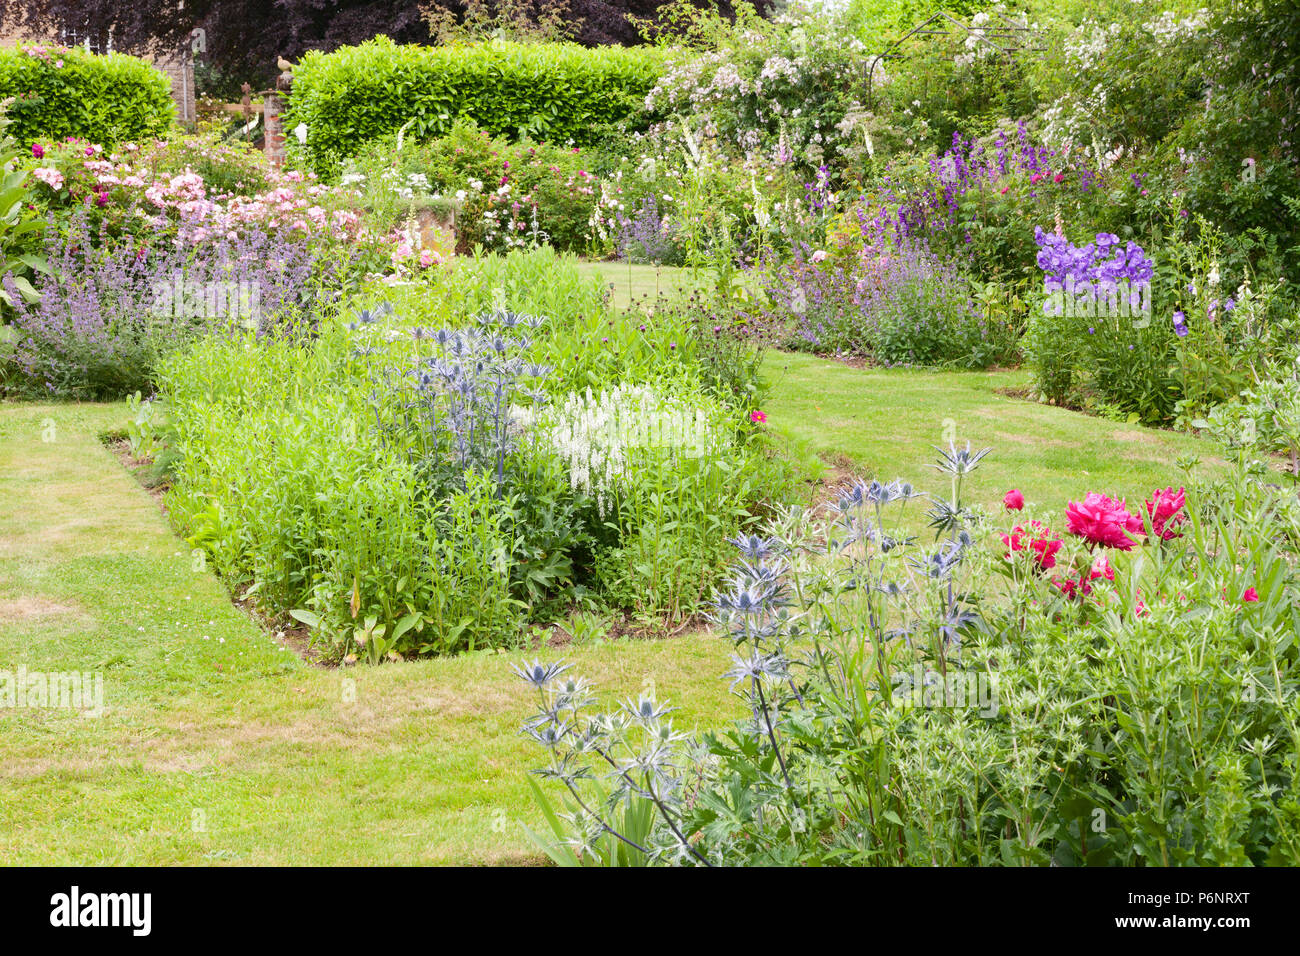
(1165, 509)
(1082, 587)
(50, 176)
(1100, 521)
(293, 203)
(50, 54)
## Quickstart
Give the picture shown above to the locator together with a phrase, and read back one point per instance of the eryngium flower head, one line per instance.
(958, 461)
(645, 709)
(539, 674)
(875, 493)
(756, 548)
(757, 666)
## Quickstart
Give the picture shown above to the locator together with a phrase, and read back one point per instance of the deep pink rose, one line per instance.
(1013, 500)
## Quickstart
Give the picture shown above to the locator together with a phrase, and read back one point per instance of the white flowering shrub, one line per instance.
(784, 86)
(1120, 84)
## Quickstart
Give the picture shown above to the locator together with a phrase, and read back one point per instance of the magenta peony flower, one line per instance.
(1102, 520)
(38, 150)
(1166, 511)
(1101, 569)
(1250, 595)
(1038, 539)
(1013, 500)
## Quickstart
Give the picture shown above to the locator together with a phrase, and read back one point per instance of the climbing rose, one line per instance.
(51, 177)
(1013, 500)
(1102, 520)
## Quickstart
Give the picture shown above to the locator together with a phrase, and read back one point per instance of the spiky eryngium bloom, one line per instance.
(757, 666)
(539, 674)
(958, 461)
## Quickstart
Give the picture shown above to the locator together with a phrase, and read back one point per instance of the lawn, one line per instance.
(882, 423)
(631, 283)
(216, 744)
(219, 745)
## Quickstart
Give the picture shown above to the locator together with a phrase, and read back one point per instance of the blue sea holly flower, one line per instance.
(539, 674)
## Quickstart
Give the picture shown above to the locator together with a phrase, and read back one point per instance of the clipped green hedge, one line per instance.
(60, 92)
(553, 92)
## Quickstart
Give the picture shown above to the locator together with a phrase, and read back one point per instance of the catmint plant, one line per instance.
(110, 311)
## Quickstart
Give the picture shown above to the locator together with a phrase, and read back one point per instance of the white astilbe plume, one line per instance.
(600, 435)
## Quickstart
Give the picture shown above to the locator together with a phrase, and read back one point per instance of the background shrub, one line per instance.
(63, 92)
(548, 91)
(505, 195)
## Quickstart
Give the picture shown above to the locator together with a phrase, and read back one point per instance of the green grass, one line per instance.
(637, 283)
(883, 423)
(208, 719)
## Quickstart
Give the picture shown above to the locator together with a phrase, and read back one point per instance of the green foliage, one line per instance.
(556, 92)
(227, 166)
(322, 472)
(68, 92)
(19, 229)
(1137, 366)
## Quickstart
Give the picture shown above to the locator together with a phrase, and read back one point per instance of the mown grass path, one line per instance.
(216, 745)
(884, 422)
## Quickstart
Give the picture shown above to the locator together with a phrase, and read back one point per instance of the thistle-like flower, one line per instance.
(958, 461)
(539, 674)
(757, 548)
(756, 667)
(875, 493)
(645, 709)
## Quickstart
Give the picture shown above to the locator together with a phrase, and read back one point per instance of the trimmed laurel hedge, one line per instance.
(60, 92)
(553, 92)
